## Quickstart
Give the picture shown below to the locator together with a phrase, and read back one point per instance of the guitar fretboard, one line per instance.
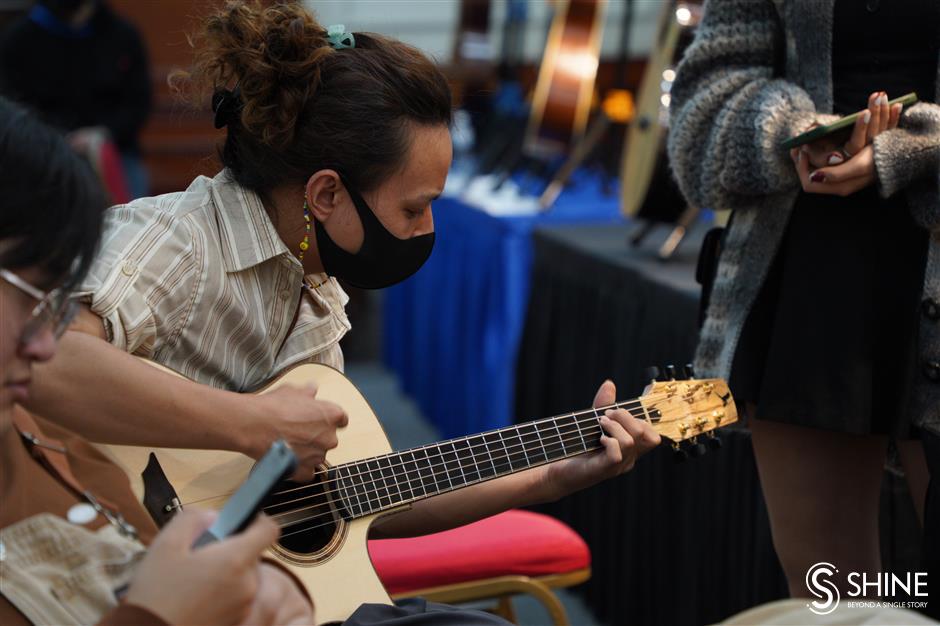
(380, 483)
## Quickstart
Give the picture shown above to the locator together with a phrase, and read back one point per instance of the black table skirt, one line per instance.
(671, 544)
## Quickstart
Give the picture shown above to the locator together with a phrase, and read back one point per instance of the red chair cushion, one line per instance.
(511, 543)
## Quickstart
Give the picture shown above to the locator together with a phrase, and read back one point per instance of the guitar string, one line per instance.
(589, 412)
(330, 515)
(332, 521)
(412, 497)
(373, 487)
(666, 417)
(479, 448)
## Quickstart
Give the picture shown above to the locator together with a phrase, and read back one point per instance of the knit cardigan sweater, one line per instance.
(757, 73)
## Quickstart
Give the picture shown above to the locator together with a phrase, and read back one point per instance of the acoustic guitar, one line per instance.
(561, 101)
(325, 523)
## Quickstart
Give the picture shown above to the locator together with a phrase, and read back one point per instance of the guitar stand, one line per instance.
(679, 230)
(510, 162)
(582, 151)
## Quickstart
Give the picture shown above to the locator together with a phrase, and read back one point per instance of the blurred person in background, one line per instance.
(84, 69)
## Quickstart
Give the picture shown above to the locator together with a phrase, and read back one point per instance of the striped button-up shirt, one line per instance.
(200, 282)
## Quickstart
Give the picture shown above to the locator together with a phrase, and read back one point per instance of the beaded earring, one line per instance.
(305, 244)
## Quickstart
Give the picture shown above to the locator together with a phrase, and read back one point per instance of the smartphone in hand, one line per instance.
(277, 464)
(818, 132)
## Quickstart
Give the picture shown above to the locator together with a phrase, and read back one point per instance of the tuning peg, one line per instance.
(689, 371)
(697, 448)
(714, 441)
(671, 372)
(679, 454)
(653, 373)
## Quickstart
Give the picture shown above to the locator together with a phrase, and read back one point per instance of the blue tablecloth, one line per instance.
(452, 331)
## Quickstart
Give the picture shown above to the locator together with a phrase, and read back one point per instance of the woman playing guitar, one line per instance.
(337, 144)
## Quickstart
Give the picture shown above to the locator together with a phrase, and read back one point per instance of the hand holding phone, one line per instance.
(276, 465)
(818, 132)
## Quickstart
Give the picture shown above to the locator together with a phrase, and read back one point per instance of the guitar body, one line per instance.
(338, 574)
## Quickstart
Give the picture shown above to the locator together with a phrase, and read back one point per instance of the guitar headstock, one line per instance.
(687, 409)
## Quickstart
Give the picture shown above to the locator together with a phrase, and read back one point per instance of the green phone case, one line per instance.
(843, 122)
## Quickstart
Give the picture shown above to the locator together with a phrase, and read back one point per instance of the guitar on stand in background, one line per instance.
(648, 191)
(561, 101)
(607, 130)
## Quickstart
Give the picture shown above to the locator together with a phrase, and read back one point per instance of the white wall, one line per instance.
(432, 24)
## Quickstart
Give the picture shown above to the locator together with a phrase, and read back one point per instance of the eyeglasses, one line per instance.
(55, 309)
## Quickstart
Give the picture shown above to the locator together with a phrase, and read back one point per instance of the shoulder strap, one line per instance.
(52, 453)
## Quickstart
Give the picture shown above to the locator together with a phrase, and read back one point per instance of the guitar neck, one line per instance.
(385, 482)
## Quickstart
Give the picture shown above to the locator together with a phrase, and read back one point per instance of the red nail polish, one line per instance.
(818, 177)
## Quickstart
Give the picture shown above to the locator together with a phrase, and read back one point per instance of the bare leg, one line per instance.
(915, 468)
(822, 490)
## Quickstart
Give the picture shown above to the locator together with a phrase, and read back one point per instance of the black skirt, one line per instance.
(831, 340)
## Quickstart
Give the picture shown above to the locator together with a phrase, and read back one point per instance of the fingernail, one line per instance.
(866, 116)
(835, 158)
(818, 177)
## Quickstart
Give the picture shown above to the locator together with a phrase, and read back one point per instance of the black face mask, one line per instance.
(382, 261)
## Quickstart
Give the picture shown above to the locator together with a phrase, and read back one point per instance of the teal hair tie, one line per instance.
(339, 38)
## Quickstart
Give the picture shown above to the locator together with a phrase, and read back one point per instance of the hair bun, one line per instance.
(273, 54)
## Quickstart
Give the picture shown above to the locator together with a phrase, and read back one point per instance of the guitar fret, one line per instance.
(453, 444)
(474, 474)
(375, 475)
(408, 472)
(519, 457)
(523, 445)
(359, 490)
(501, 458)
(427, 457)
(349, 500)
(530, 444)
(577, 425)
(443, 465)
(541, 442)
(393, 461)
(571, 434)
(506, 448)
(490, 454)
(561, 437)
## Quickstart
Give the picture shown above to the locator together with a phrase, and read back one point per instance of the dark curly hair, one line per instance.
(305, 106)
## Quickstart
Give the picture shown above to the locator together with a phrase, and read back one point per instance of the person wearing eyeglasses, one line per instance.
(71, 530)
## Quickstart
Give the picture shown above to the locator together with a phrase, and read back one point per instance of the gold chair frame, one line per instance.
(503, 588)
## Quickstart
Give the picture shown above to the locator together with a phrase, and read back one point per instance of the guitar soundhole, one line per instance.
(307, 514)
